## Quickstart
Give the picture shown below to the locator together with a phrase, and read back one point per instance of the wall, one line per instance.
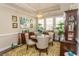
(8, 35)
(6, 20)
(6, 40)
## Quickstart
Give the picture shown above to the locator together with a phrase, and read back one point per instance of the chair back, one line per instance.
(29, 41)
(26, 35)
(31, 33)
(42, 42)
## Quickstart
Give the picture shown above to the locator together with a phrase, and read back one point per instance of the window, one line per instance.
(49, 23)
(41, 22)
(59, 20)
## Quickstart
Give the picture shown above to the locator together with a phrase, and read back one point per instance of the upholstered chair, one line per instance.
(29, 42)
(42, 43)
(51, 37)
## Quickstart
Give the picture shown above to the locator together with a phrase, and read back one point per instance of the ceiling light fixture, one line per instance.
(39, 13)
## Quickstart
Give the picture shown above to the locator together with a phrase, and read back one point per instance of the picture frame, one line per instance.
(31, 25)
(14, 18)
(14, 25)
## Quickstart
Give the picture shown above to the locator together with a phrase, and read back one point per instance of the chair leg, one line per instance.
(39, 53)
(52, 43)
(46, 51)
(27, 47)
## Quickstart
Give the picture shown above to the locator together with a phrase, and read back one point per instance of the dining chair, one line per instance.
(42, 44)
(29, 42)
(51, 37)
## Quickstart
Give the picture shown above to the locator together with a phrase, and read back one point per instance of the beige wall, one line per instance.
(8, 35)
(6, 20)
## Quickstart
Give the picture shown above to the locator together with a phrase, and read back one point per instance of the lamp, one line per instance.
(39, 13)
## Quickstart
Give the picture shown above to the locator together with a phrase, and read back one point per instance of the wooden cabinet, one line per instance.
(71, 26)
(65, 46)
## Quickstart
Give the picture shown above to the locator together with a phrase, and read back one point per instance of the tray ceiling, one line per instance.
(33, 8)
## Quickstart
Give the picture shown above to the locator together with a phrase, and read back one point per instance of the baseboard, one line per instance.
(5, 48)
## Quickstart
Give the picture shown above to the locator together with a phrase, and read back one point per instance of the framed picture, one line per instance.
(31, 25)
(14, 25)
(14, 18)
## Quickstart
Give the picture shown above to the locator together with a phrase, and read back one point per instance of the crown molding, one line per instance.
(27, 10)
(17, 10)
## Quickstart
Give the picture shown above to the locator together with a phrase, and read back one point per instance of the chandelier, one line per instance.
(39, 13)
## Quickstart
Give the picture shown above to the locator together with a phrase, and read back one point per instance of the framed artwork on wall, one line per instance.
(31, 25)
(14, 18)
(14, 25)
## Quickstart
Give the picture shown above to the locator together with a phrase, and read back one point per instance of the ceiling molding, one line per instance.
(17, 10)
(51, 9)
(29, 10)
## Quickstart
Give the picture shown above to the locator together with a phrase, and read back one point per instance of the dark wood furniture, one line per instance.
(71, 25)
(42, 50)
(33, 39)
(70, 32)
(21, 38)
(67, 45)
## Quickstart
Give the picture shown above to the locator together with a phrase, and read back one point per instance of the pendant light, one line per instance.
(39, 13)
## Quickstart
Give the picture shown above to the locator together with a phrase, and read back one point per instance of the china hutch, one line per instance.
(70, 32)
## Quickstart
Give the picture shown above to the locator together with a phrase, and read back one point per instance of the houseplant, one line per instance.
(60, 29)
(40, 28)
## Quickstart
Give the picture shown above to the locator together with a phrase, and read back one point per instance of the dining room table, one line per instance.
(35, 37)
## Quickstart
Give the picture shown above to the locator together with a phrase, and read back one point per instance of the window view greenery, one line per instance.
(43, 24)
(48, 23)
(59, 20)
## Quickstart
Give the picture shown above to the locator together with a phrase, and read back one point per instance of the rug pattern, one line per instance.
(22, 51)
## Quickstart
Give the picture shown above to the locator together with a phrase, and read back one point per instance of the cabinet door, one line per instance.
(71, 25)
(67, 46)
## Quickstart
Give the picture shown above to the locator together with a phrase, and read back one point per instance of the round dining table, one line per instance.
(34, 37)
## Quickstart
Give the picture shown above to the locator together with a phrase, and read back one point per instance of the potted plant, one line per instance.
(40, 29)
(60, 29)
